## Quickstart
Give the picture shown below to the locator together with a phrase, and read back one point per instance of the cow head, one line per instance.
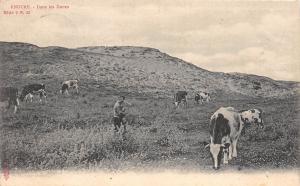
(253, 116)
(216, 151)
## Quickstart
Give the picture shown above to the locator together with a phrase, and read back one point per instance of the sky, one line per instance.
(260, 38)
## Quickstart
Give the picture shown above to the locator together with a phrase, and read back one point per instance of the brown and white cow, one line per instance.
(10, 94)
(202, 96)
(33, 89)
(66, 85)
(225, 127)
(180, 96)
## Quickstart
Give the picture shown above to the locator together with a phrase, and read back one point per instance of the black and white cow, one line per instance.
(202, 96)
(10, 94)
(225, 127)
(66, 85)
(180, 96)
(252, 116)
(33, 89)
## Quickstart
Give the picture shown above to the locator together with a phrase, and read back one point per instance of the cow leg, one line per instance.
(225, 156)
(77, 90)
(40, 96)
(230, 152)
(183, 101)
(45, 98)
(26, 99)
(15, 109)
(16, 104)
(234, 143)
(9, 103)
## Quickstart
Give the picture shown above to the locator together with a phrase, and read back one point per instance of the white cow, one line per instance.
(202, 96)
(66, 85)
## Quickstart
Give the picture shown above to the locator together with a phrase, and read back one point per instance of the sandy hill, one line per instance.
(126, 68)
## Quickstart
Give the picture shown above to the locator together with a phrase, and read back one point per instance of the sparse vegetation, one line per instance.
(76, 131)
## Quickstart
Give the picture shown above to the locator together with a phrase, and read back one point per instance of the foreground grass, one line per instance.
(75, 132)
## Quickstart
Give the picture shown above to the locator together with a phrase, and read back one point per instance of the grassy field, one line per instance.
(75, 132)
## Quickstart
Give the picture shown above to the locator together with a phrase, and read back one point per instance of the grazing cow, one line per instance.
(252, 116)
(180, 96)
(226, 125)
(33, 89)
(66, 85)
(202, 96)
(10, 94)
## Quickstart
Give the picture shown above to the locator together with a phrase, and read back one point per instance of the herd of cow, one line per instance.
(181, 97)
(226, 124)
(225, 127)
(11, 94)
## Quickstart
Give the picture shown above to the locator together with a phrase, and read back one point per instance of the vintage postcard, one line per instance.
(149, 92)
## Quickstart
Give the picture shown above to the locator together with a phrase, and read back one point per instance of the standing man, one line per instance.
(119, 114)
